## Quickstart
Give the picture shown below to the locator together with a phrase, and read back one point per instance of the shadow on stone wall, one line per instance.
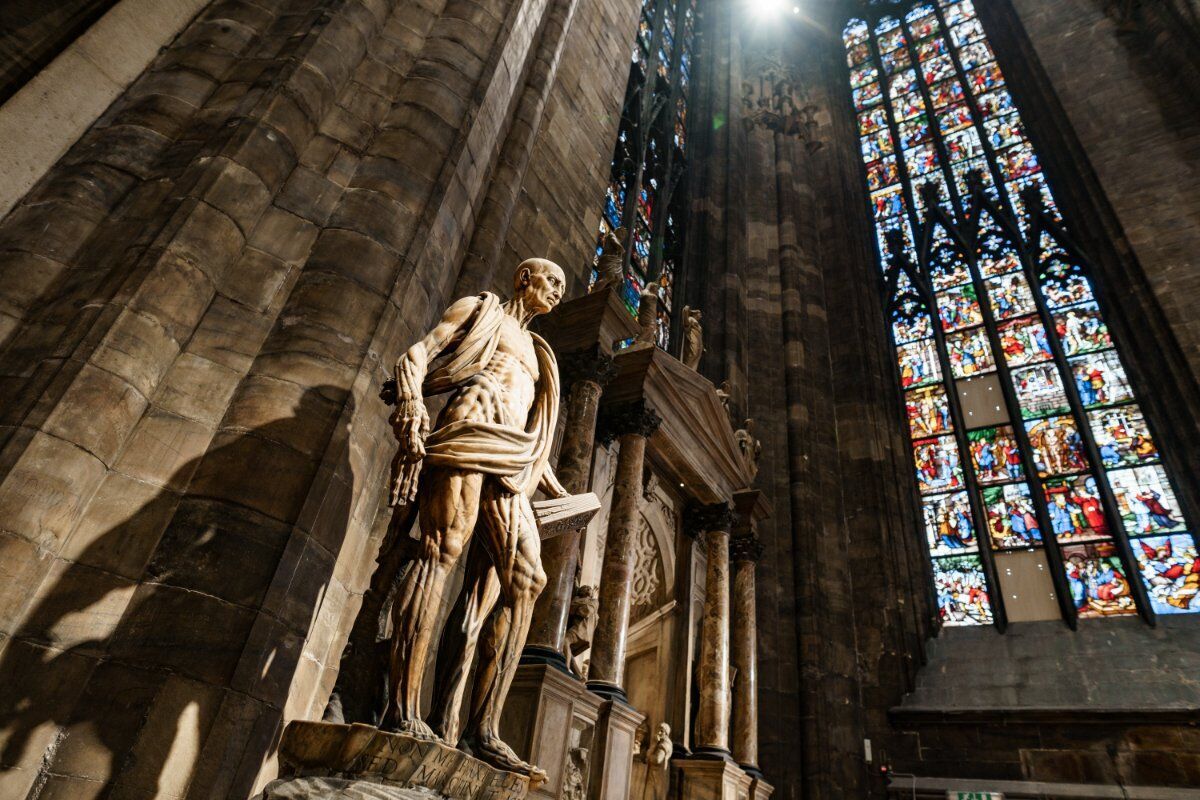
(192, 611)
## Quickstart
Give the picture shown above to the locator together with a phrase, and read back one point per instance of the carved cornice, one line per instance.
(585, 365)
(700, 519)
(745, 548)
(618, 420)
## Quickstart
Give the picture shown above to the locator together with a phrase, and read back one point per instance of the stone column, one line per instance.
(712, 718)
(632, 424)
(744, 550)
(584, 376)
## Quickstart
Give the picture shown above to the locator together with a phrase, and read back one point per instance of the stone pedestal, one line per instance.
(548, 715)
(632, 424)
(712, 718)
(711, 779)
(360, 756)
(612, 761)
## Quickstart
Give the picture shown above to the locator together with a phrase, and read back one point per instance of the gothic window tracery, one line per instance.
(645, 196)
(1027, 435)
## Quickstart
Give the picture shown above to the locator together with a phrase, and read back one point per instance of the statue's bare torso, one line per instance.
(504, 391)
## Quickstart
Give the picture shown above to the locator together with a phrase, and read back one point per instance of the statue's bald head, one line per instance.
(540, 282)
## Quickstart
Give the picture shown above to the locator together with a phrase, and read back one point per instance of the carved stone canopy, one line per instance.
(700, 519)
(617, 420)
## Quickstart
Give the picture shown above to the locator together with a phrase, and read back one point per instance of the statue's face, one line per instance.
(541, 284)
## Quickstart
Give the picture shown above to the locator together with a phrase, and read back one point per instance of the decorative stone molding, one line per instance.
(616, 421)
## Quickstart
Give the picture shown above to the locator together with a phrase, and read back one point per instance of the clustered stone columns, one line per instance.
(744, 550)
(631, 425)
(713, 524)
(584, 376)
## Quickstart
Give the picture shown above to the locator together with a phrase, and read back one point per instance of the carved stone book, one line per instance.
(559, 515)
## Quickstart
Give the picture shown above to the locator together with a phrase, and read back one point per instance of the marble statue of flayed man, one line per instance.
(474, 472)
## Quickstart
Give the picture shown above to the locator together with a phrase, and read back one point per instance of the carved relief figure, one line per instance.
(575, 779)
(581, 621)
(481, 463)
(750, 447)
(658, 758)
(693, 338)
(610, 267)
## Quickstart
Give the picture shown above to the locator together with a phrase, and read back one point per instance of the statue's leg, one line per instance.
(511, 533)
(481, 589)
(448, 503)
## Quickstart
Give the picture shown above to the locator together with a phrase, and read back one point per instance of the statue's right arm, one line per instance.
(410, 420)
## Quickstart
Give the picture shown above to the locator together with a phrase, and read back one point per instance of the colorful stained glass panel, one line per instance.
(948, 525)
(910, 321)
(969, 352)
(959, 308)
(1011, 519)
(1010, 296)
(946, 93)
(937, 464)
(995, 455)
(1145, 500)
(1040, 390)
(1075, 509)
(919, 363)
(1057, 446)
(1170, 570)
(1081, 329)
(928, 412)
(1100, 379)
(961, 587)
(1122, 436)
(1024, 342)
(1098, 584)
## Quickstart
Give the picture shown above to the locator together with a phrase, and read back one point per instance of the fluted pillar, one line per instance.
(744, 551)
(584, 376)
(714, 524)
(631, 425)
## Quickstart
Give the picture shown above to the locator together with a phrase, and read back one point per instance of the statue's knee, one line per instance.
(537, 582)
(450, 548)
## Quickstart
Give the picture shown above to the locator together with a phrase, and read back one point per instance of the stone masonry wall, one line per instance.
(202, 299)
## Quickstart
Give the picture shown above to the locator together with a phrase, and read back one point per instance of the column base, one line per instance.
(751, 770)
(612, 753)
(713, 779)
(536, 654)
(706, 753)
(550, 720)
(609, 691)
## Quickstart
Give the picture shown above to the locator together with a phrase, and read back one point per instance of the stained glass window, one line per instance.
(1026, 431)
(644, 204)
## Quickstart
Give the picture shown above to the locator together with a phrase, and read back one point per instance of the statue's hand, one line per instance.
(410, 423)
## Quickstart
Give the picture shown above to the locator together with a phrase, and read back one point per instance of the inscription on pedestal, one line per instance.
(361, 752)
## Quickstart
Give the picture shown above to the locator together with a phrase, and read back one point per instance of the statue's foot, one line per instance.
(412, 727)
(492, 751)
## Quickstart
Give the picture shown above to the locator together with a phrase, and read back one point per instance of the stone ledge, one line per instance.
(378, 764)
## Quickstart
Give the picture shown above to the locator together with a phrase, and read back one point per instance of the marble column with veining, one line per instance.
(584, 376)
(631, 425)
(714, 524)
(744, 552)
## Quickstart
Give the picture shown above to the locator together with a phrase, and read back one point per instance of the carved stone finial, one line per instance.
(616, 421)
(700, 519)
(745, 548)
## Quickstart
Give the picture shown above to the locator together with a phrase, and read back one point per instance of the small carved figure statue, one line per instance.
(750, 447)
(575, 779)
(648, 313)
(723, 393)
(610, 267)
(658, 758)
(474, 472)
(581, 621)
(693, 338)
